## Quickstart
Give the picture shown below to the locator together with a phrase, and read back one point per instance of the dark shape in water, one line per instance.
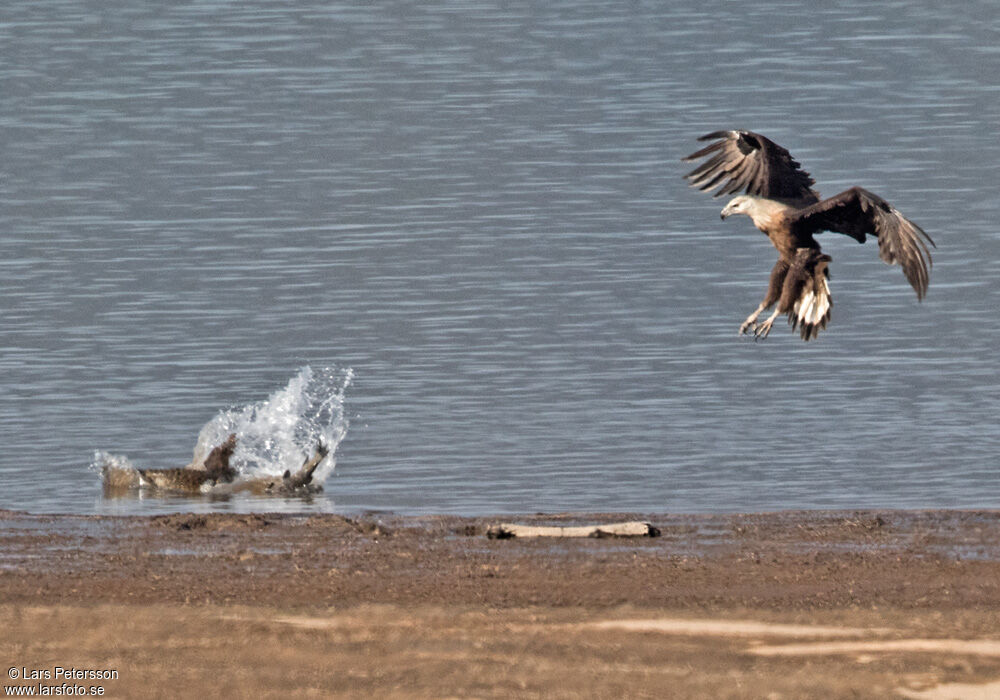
(215, 476)
(216, 470)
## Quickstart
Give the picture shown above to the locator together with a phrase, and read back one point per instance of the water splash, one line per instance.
(112, 461)
(282, 431)
(272, 436)
(117, 472)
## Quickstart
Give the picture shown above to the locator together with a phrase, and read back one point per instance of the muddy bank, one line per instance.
(803, 560)
(907, 601)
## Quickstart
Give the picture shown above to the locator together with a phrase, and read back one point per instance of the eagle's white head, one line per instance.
(762, 211)
(743, 204)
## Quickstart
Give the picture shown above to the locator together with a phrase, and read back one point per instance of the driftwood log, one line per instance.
(505, 531)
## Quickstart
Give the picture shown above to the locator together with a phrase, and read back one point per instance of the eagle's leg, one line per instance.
(761, 330)
(751, 321)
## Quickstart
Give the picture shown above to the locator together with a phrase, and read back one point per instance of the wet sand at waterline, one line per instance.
(797, 604)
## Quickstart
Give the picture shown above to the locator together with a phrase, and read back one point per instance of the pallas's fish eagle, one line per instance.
(778, 197)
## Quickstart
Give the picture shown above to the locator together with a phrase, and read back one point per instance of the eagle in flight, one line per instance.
(779, 198)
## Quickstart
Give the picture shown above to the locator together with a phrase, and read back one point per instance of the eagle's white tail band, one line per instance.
(812, 309)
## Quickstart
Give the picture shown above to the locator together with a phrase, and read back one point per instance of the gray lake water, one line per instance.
(478, 209)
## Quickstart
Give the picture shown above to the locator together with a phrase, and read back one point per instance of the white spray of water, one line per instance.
(276, 434)
(282, 431)
(107, 460)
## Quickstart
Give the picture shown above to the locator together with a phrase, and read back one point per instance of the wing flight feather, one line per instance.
(743, 160)
(857, 213)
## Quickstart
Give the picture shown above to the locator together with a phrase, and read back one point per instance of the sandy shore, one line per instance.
(787, 605)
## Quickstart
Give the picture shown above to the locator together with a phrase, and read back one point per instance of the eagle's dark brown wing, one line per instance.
(858, 212)
(743, 160)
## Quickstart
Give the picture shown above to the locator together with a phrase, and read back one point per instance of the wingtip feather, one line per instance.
(716, 135)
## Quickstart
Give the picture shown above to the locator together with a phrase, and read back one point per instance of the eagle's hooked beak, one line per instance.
(726, 213)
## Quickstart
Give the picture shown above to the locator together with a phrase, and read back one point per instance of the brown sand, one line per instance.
(785, 605)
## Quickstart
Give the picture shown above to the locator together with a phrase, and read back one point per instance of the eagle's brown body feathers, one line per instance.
(781, 202)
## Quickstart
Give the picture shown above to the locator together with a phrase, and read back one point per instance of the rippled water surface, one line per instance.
(478, 209)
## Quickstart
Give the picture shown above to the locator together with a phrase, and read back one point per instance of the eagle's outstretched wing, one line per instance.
(743, 160)
(857, 212)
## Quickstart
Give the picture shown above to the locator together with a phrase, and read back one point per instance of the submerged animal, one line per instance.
(299, 482)
(193, 479)
(779, 199)
(215, 476)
